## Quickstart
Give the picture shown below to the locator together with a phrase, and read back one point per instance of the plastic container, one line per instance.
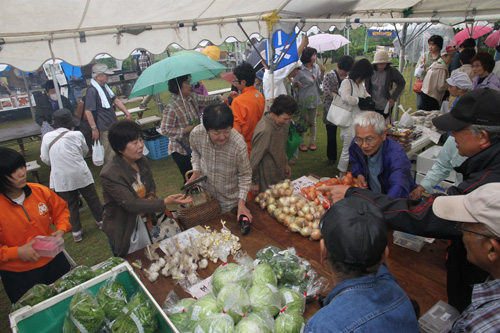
(426, 159)
(439, 318)
(47, 246)
(48, 316)
(158, 148)
(411, 242)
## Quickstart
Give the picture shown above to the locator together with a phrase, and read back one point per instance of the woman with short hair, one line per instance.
(482, 67)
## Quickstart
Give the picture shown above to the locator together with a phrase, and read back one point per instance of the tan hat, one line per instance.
(381, 57)
(101, 69)
(479, 206)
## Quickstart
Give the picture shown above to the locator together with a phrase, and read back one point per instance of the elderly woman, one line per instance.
(482, 67)
(27, 210)
(351, 90)
(435, 43)
(220, 153)
(384, 80)
(307, 81)
(180, 116)
(129, 190)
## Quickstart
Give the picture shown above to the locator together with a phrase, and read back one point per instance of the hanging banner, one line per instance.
(382, 33)
(283, 42)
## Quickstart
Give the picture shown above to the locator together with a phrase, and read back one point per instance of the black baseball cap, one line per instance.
(477, 107)
(354, 232)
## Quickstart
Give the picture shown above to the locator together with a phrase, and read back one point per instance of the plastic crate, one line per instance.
(438, 319)
(412, 242)
(158, 148)
(48, 316)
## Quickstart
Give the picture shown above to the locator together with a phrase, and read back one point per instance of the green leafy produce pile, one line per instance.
(38, 293)
(73, 278)
(112, 297)
(84, 314)
(139, 316)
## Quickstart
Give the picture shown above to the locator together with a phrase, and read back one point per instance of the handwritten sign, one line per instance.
(301, 183)
(201, 288)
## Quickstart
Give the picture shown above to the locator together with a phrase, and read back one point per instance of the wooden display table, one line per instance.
(421, 275)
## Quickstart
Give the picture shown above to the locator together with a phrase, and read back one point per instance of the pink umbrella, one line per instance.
(327, 42)
(477, 31)
(492, 39)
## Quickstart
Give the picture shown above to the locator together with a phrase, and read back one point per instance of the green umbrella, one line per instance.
(155, 78)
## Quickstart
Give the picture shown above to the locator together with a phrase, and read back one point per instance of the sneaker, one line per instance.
(78, 236)
(303, 147)
(99, 224)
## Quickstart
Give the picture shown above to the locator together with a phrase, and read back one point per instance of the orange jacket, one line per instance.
(248, 108)
(19, 224)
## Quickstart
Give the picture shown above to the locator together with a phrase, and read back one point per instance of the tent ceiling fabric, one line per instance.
(29, 27)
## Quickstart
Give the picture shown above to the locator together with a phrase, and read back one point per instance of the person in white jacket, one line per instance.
(64, 149)
(351, 90)
(435, 86)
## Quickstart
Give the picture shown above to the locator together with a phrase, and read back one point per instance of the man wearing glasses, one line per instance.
(474, 122)
(477, 215)
(378, 162)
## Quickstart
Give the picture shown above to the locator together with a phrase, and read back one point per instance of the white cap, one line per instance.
(460, 80)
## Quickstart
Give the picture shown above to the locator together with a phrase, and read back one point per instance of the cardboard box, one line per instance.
(426, 159)
(48, 316)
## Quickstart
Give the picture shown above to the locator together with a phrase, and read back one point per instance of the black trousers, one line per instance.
(183, 163)
(16, 284)
(331, 142)
(428, 103)
(89, 193)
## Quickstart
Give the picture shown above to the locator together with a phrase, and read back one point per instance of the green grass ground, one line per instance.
(94, 248)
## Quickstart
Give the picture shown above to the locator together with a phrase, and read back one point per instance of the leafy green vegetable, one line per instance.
(263, 274)
(73, 278)
(234, 300)
(203, 307)
(215, 323)
(179, 313)
(289, 322)
(292, 300)
(36, 294)
(249, 325)
(230, 273)
(139, 316)
(264, 318)
(267, 253)
(108, 264)
(84, 313)
(265, 298)
(112, 297)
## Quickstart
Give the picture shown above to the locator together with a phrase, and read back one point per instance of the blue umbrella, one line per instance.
(155, 78)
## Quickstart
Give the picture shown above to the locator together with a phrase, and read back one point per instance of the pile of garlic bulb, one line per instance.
(215, 245)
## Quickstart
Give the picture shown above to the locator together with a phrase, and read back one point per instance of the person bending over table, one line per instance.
(27, 210)
(220, 153)
(129, 190)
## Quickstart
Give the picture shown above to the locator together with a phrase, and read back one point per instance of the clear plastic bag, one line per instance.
(84, 313)
(177, 310)
(234, 300)
(138, 316)
(230, 273)
(36, 294)
(406, 119)
(112, 298)
(215, 323)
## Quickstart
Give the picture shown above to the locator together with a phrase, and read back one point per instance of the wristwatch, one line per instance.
(94, 127)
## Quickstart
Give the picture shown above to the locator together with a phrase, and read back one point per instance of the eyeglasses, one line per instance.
(369, 141)
(459, 227)
(235, 80)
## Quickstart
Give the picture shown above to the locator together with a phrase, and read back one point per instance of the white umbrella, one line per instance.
(327, 42)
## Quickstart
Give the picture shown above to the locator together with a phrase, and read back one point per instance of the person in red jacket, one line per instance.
(27, 210)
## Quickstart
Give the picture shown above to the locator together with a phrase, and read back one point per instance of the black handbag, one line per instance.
(366, 104)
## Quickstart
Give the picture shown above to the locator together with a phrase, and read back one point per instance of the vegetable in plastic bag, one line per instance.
(264, 318)
(265, 298)
(263, 274)
(112, 297)
(267, 253)
(203, 307)
(215, 323)
(289, 322)
(178, 313)
(108, 264)
(73, 278)
(138, 316)
(84, 313)
(230, 273)
(234, 301)
(249, 325)
(36, 294)
(292, 300)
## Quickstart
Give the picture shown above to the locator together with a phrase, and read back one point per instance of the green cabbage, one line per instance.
(73, 278)
(263, 274)
(179, 313)
(139, 311)
(264, 318)
(293, 300)
(289, 322)
(234, 300)
(36, 294)
(230, 273)
(250, 325)
(84, 313)
(203, 307)
(265, 298)
(215, 323)
(112, 297)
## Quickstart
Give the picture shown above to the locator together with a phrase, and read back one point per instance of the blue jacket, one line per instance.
(372, 303)
(395, 177)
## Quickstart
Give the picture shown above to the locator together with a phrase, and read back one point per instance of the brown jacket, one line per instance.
(121, 203)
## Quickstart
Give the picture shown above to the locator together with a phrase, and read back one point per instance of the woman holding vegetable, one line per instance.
(27, 211)
(180, 116)
(129, 190)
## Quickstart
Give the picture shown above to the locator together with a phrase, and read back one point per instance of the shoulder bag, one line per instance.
(340, 113)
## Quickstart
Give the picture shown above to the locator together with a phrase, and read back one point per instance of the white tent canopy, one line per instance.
(76, 31)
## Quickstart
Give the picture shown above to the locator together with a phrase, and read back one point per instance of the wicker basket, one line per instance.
(191, 216)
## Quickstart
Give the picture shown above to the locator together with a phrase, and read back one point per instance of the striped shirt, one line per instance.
(144, 61)
(227, 167)
(483, 315)
(178, 115)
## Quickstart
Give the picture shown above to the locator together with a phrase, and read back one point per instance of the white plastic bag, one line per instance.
(145, 150)
(419, 71)
(406, 119)
(445, 107)
(97, 153)
(387, 107)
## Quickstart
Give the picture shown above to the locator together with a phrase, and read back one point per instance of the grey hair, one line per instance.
(371, 118)
(94, 75)
(493, 131)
